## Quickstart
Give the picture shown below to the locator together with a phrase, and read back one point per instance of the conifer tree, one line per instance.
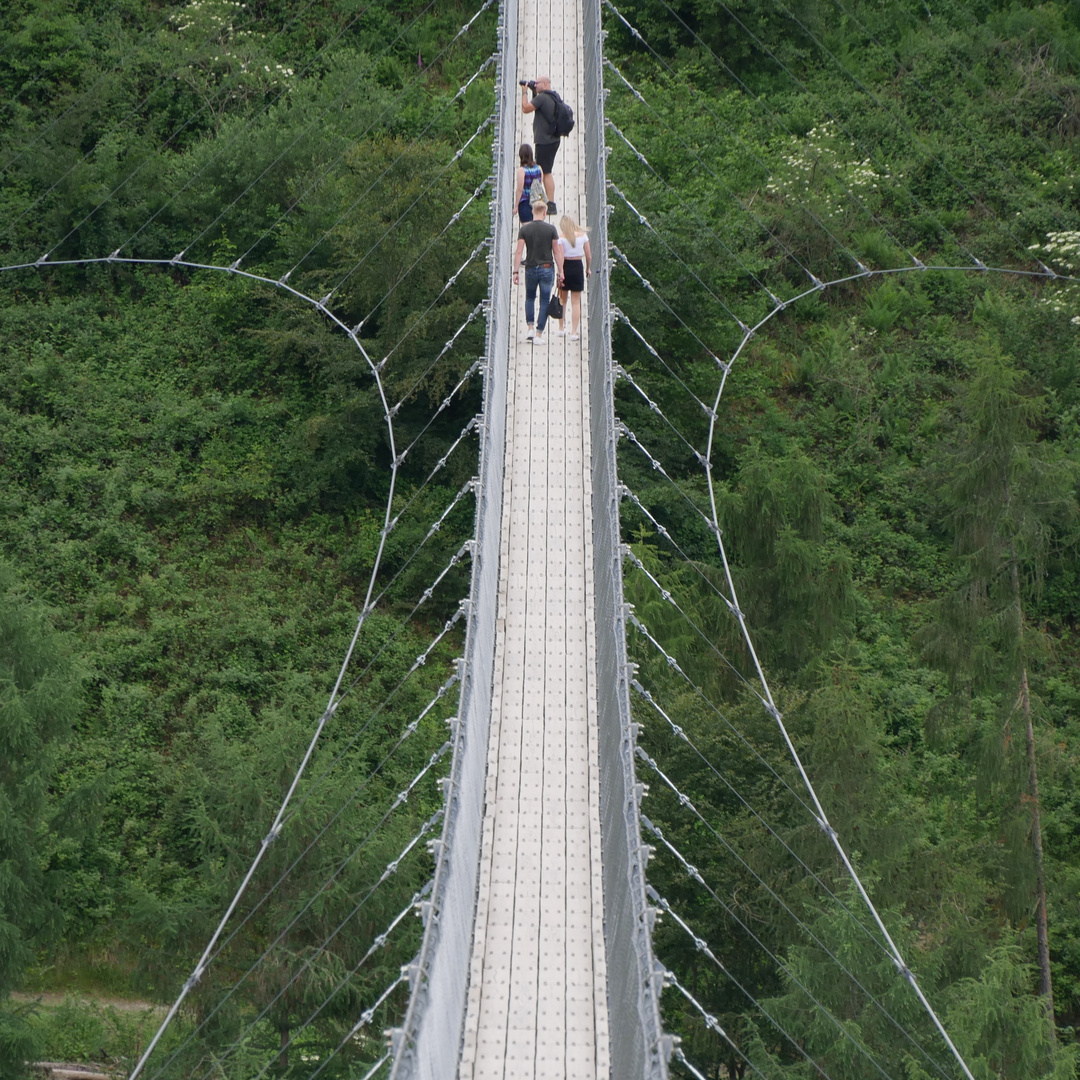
(1008, 493)
(38, 702)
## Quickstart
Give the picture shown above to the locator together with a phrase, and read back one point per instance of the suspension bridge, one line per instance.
(536, 957)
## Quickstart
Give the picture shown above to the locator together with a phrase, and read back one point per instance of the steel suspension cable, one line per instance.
(687, 803)
(695, 874)
(379, 943)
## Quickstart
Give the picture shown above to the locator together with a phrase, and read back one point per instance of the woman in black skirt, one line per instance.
(577, 258)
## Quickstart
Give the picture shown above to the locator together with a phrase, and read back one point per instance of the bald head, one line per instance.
(543, 82)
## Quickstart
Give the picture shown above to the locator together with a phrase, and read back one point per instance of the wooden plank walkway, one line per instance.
(538, 994)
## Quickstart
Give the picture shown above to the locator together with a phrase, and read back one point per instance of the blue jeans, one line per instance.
(542, 277)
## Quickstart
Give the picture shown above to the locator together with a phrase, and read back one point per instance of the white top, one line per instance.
(538, 994)
(577, 249)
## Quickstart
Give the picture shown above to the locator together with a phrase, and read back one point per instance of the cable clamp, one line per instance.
(668, 1044)
(114, 254)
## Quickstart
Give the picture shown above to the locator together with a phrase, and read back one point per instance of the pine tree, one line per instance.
(38, 702)
(1008, 494)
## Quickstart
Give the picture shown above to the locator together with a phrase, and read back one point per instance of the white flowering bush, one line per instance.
(219, 50)
(1061, 252)
(823, 167)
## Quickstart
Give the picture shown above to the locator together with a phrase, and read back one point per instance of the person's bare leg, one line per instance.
(549, 186)
(562, 321)
(575, 299)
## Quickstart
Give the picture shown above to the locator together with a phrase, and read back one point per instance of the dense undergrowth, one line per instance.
(194, 470)
(895, 463)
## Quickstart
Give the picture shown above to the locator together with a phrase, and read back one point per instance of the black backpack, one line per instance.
(564, 115)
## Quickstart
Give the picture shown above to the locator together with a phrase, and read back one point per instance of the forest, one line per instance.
(195, 465)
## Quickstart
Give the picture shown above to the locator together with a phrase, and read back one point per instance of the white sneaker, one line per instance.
(561, 333)
(529, 333)
(538, 340)
(574, 337)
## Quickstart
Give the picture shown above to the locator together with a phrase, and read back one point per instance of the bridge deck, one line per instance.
(538, 995)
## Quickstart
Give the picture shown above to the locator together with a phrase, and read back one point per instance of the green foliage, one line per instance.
(1000, 1028)
(194, 473)
(80, 1030)
(893, 464)
(39, 691)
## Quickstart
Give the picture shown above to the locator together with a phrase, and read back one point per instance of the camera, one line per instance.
(531, 84)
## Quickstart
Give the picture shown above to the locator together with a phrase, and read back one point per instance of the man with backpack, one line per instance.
(552, 119)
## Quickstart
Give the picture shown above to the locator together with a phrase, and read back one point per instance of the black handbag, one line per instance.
(555, 307)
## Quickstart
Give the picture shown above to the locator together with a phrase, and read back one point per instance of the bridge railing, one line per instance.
(428, 1043)
(638, 1047)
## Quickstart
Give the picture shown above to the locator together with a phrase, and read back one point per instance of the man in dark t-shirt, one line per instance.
(542, 256)
(545, 141)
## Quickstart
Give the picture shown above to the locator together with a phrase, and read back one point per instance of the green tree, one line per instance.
(39, 695)
(793, 582)
(1009, 494)
(859, 1029)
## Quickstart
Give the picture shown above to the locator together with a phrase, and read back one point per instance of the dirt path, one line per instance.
(52, 1000)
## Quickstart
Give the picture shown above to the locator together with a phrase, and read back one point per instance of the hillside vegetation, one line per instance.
(194, 468)
(895, 468)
